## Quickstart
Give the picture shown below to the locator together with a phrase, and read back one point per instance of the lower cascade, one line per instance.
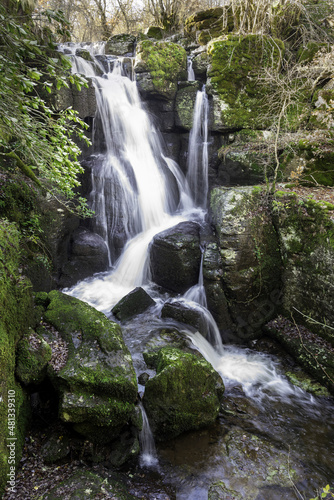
(138, 192)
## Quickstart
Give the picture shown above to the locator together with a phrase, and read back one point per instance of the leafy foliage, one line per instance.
(33, 134)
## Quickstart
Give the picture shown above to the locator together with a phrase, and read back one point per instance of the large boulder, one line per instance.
(175, 257)
(158, 67)
(250, 254)
(184, 394)
(89, 255)
(97, 386)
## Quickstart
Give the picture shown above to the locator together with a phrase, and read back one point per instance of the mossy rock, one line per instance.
(134, 303)
(184, 394)
(306, 54)
(322, 116)
(208, 24)
(236, 62)
(88, 485)
(97, 386)
(250, 252)
(184, 105)
(15, 318)
(309, 350)
(245, 160)
(306, 233)
(33, 355)
(154, 32)
(159, 66)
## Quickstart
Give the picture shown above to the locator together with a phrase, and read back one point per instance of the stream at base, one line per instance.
(271, 440)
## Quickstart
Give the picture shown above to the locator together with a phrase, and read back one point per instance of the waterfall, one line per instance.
(148, 454)
(191, 74)
(197, 173)
(132, 192)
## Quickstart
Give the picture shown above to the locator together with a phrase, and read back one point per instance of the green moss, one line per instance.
(307, 54)
(165, 61)
(185, 393)
(69, 315)
(33, 354)
(235, 64)
(16, 315)
(211, 23)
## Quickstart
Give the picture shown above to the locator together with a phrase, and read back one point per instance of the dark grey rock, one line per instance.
(175, 257)
(135, 302)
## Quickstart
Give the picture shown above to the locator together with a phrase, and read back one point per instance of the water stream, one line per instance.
(133, 197)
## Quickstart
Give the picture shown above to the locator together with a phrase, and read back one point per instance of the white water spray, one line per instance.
(148, 455)
(191, 74)
(197, 174)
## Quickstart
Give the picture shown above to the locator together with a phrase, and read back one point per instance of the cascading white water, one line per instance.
(130, 192)
(148, 454)
(198, 160)
(191, 74)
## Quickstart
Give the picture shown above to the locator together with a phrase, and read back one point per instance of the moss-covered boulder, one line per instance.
(159, 66)
(184, 105)
(205, 25)
(175, 257)
(250, 253)
(33, 355)
(184, 394)
(306, 233)
(236, 62)
(15, 319)
(121, 45)
(97, 386)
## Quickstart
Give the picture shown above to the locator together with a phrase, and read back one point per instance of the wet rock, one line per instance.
(175, 257)
(84, 100)
(252, 465)
(89, 255)
(121, 45)
(184, 105)
(181, 312)
(135, 302)
(97, 387)
(184, 394)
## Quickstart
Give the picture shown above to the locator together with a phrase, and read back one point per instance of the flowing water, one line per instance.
(266, 424)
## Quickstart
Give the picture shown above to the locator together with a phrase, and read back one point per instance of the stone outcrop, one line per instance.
(250, 254)
(175, 257)
(15, 318)
(121, 45)
(184, 394)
